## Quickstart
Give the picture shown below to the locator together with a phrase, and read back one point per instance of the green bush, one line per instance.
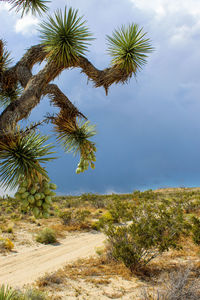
(72, 217)
(118, 209)
(66, 216)
(46, 236)
(34, 294)
(196, 230)
(154, 228)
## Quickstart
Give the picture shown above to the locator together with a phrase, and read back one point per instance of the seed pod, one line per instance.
(42, 195)
(39, 203)
(48, 199)
(47, 191)
(37, 196)
(33, 191)
(93, 157)
(31, 199)
(45, 205)
(22, 190)
(52, 193)
(53, 186)
(25, 195)
(78, 170)
(92, 166)
(46, 185)
(25, 203)
(36, 212)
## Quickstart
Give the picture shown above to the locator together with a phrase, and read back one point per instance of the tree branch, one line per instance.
(60, 100)
(104, 77)
(38, 85)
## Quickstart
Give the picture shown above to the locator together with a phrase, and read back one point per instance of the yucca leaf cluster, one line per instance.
(5, 59)
(21, 156)
(7, 293)
(65, 37)
(9, 94)
(26, 6)
(74, 135)
(8, 91)
(128, 47)
(36, 197)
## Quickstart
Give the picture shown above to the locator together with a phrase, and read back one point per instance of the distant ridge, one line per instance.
(179, 189)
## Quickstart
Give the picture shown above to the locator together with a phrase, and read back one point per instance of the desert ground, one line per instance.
(76, 265)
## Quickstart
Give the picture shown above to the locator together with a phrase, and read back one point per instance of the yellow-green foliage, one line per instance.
(6, 244)
(46, 236)
(154, 227)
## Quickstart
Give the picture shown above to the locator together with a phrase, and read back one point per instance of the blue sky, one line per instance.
(149, 130)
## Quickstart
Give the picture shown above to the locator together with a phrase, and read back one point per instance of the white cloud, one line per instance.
(176, 21)
(163, 7)
(27, 25)
(4, 6)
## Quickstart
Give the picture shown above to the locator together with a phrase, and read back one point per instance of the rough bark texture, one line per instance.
(36, 86)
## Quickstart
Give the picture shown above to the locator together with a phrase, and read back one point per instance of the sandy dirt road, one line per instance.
(23, 268)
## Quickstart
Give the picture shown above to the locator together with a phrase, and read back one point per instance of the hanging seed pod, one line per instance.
(22, 190)
(53, 186)
(48, 199)
(25, 195)
(31, 199)
(36, 212)
(36, 196)
(39, 203)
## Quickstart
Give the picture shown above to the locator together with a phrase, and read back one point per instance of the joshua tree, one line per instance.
(64, 41)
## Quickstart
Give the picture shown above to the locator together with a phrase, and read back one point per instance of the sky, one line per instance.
(148, 131)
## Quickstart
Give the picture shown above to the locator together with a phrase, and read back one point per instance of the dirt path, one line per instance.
(22, 268)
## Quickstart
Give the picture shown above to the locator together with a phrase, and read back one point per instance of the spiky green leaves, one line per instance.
(7, 293)
(74, 137)
(65, 37)
(9, 94)
(26, 6)
(8, 91)
(129, 47)
(4, 57)
(20, 157)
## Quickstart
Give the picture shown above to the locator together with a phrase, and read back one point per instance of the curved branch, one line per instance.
(60, 100)
(104, 77)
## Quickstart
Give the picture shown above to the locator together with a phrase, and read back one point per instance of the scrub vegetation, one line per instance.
(148, 234)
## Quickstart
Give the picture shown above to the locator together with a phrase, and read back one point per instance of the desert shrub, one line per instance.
(30, 294)
(48, 280)
(154, 229)
(66, 216)
(6, 244)
(46, 236)
(72, 217)
(178, 287)
(196, 230)
(97, 201)
(118, 209)
(105, 220)
(7, 293)
(34, 294)
(80, 216)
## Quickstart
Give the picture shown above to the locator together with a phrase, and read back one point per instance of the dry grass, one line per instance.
(94, 267)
